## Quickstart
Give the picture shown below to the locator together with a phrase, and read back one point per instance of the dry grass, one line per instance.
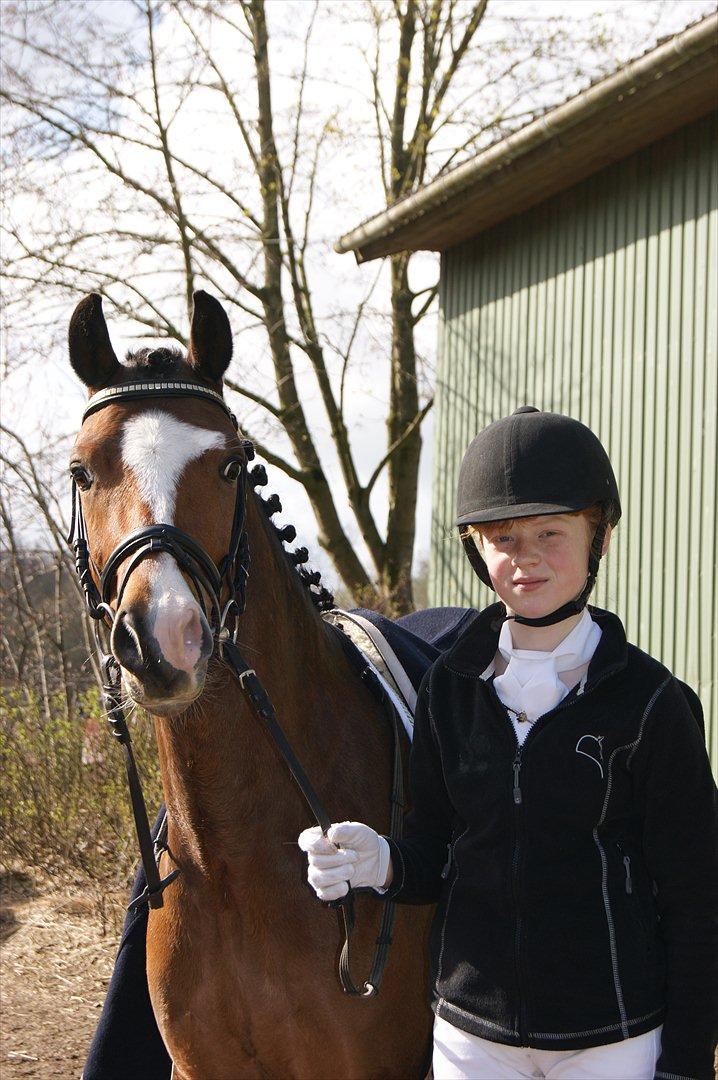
(57, 948)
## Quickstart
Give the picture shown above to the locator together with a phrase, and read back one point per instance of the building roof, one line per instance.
(649, 97)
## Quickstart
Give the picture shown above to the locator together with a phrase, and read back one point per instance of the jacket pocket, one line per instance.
(640, 917)
(450, 874)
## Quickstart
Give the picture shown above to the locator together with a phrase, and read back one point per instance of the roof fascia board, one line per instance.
(373, 238)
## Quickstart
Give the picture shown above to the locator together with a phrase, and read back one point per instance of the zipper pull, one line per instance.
(447, 865)
(517, 789)
(627, 865)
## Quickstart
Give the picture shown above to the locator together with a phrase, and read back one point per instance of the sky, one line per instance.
(349, 195)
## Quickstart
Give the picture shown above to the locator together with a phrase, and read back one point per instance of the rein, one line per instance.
(222, 588)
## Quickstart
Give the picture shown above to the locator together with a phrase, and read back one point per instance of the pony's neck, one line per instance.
(219, 768)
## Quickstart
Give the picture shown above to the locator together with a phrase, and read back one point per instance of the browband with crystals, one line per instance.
(127, 391)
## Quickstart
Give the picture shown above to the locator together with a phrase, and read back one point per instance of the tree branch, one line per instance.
(244, 391)
(397, 444)
(432, 294)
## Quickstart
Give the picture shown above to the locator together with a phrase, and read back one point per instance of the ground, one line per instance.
(57, 948)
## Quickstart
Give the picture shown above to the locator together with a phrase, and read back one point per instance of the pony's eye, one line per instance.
(81, 477)
(230, 470)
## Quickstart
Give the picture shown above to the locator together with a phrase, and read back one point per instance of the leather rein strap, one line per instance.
(263, 708)
(209, 581)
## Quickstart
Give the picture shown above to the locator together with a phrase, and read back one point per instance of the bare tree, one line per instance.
(45, 643)
(117, 108)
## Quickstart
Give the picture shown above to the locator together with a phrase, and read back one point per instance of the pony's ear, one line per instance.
(210, 339)
(91, 353)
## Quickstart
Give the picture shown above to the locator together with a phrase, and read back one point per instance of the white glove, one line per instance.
(349, 853)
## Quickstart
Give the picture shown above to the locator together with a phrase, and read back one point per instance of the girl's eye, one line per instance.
(81, 477)
(230, 470)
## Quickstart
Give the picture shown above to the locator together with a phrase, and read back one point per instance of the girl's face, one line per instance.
(537, 564)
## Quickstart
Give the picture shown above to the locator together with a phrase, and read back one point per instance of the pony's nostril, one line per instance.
(197, 637)
(192, 633)
(126, 642)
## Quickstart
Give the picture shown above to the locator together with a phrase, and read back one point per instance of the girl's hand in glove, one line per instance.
(350, 854)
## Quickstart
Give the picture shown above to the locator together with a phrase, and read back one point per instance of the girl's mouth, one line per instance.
(529, 585)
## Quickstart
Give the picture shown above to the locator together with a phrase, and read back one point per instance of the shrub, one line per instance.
(60, 812)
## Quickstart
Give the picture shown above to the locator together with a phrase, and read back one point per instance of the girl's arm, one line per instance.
(418, 859)
(408, 870)
(680, 841)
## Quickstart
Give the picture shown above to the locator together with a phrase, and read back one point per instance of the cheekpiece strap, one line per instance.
(118, 723)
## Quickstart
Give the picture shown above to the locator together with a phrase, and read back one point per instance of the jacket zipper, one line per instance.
(517, 769)
(516, 861)
(515, 868)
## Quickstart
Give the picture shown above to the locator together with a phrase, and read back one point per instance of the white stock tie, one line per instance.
(530, 683)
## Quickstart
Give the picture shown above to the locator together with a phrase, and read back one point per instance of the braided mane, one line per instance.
(320, 596)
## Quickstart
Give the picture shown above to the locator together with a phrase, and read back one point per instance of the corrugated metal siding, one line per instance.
(602, 303)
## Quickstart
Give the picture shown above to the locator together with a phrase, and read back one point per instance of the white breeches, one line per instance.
(461, 1056)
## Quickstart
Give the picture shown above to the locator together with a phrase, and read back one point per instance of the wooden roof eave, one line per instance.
(647, 99)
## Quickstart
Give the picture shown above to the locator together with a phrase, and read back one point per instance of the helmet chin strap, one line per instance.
(573, 607)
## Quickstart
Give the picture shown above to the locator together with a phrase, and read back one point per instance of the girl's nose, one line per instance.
(525, 552)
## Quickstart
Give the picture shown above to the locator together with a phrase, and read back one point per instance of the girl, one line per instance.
(563, 809)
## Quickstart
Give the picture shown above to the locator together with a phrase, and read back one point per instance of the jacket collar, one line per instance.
(476, 646)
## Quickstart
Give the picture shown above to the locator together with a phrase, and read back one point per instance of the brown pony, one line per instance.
(241, 959)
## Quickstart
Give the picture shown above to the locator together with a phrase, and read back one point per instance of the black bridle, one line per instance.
(208, 581)
(221, 592)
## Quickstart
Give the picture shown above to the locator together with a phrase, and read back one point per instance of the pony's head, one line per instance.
(157, 460)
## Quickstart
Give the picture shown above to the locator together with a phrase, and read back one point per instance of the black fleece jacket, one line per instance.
(576, 876)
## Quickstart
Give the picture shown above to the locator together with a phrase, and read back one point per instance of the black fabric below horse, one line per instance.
(127, 1042)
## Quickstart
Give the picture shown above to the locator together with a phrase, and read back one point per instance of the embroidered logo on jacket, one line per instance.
(591, 746)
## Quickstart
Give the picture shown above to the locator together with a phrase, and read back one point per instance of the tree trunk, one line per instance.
(404, 462)
(331, 535)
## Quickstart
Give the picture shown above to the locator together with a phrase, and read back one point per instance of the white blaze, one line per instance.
(156, 448)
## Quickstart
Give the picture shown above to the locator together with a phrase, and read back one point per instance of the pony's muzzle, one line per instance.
(163, 658)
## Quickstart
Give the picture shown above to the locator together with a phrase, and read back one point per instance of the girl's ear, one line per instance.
(91, 354)
(477, 537)
(210, 341)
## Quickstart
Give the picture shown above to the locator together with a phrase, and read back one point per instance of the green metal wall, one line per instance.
(603, 303)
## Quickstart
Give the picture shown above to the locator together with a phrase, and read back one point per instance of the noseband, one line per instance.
(221, 593)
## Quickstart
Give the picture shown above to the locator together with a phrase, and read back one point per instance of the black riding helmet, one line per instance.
(533, 463)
